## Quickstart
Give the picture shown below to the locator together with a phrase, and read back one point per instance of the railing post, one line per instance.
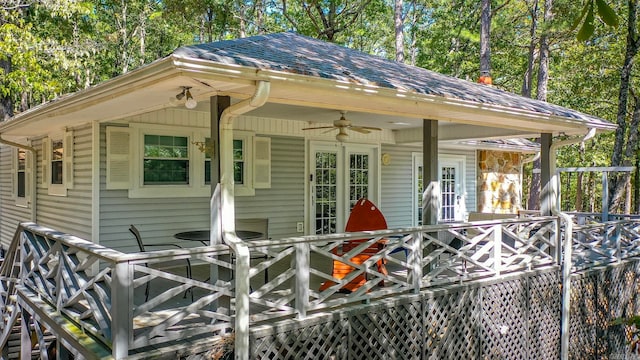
(616, 238)
(415, 261)
(242, 302)
(302, 279)
(558, 242)
(497, 248)
(121, 311)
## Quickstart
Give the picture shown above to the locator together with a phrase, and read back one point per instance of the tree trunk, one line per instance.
(617, 182)
(485, 44)
(543, 69)
(6, 103)
(619, 195)
(399, 28)
(528, 75)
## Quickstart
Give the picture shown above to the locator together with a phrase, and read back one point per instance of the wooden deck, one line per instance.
(86, 289)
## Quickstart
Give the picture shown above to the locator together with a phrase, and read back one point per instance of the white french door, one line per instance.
(339, 175)
(451, 177)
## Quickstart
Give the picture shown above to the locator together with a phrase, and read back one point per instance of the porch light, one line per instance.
(184, 95)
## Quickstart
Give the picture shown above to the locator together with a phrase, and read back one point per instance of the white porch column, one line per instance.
(431, 195)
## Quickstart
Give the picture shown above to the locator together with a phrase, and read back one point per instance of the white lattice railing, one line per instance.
(603, 243)
(413, 258)
(67, 282)
(100, 291)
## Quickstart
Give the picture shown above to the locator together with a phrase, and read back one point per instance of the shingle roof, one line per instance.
(294, 53)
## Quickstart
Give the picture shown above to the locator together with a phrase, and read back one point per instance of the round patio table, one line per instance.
(203, 235)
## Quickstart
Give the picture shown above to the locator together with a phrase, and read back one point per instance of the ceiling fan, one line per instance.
(342, 125)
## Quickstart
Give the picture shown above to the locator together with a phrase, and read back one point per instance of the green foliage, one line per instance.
(587, 17)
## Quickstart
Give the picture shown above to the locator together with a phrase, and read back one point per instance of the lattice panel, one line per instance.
(319, 341)
(544, 311)
(451, 326)
(504, 320)
(617, 290)
(392, 332)
(582, 331)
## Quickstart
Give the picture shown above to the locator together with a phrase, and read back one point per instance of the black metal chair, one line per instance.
(142, 247)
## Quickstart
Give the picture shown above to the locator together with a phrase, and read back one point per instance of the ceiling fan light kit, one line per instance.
(342, 125)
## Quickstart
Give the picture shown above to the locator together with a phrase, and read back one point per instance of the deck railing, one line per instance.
(413, 259)
(600, 243)
(70, 283)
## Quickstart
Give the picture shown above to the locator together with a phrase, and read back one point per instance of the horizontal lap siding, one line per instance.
(11, 214)
(397, 183)
(396, 186)
(71, 213)
(283, 204)
(158, 219)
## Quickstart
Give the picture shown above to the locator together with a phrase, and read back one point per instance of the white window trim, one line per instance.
(28, 171)
(67, 163)
(246, 188)
(197, 186)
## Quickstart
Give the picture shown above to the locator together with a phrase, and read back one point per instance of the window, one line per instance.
(57, 153)
(166, 160)
(57, 163)
(169, 161)
(239, 154)
(21, 176)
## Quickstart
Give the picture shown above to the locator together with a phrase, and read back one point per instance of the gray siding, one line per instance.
(397, 183)
(283, 204)
(396, 186)
(159, 218)
(71, 213)
(11, 214)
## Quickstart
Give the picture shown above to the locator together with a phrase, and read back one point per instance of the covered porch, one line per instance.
(81, 282)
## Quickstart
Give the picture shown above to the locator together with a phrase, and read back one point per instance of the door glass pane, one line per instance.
(325, 192)
(358, 178)
(448, 188)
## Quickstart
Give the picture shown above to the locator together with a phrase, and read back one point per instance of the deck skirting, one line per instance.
(517, 317)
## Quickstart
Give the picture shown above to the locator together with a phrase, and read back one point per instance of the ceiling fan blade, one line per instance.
(359, 129)
(332, 128)
(320, 127)
(370, 128)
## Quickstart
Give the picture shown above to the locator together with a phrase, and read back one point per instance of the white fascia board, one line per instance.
(308, 89)
(116, 87)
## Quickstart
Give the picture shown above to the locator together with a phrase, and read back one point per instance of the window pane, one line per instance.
(238, 172)
(166, 171)
(56, 150)
(238, 161)
(21, 184)
(166, 160)
(238, 150)
(56, 172)
(207, 172)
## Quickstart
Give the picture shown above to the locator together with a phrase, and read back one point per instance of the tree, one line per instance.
(618, 182)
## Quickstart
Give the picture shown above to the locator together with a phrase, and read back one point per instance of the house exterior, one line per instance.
(147, 148)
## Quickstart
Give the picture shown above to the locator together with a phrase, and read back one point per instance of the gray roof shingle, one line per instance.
(294, 53)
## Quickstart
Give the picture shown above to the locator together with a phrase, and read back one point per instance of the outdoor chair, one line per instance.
(142, 247)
